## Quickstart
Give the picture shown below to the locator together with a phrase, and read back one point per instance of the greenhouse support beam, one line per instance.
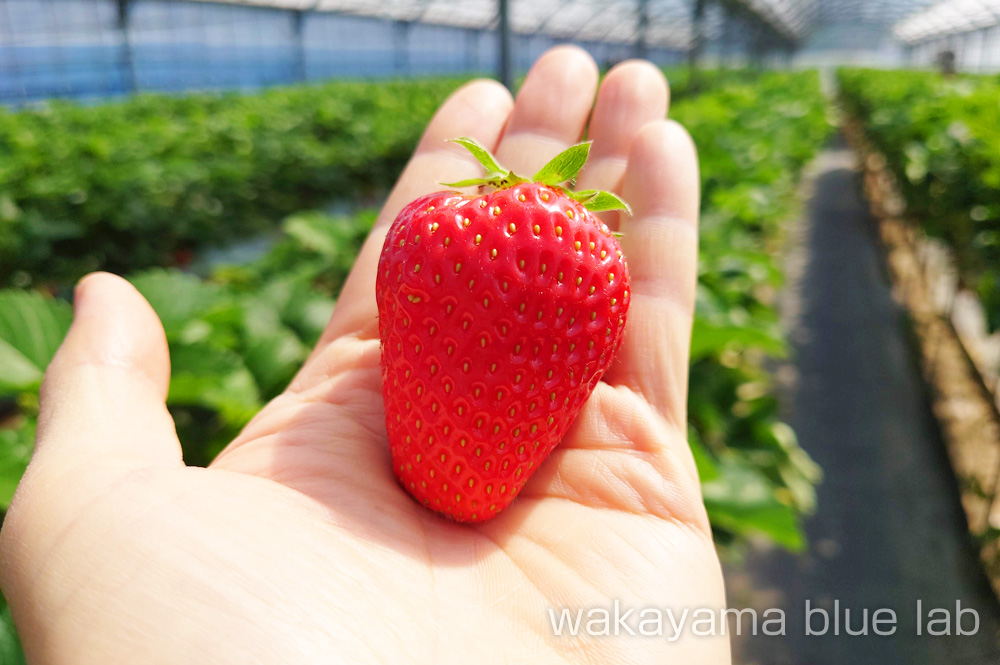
(758, 35)
(506, 63)
(298, 19)
(728, 49)
(472, 39)
(401, 47)
(128, 61)
(697, 33)
(642, 43)
(748, 16)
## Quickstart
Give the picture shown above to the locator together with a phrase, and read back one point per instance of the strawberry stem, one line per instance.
(562, 168)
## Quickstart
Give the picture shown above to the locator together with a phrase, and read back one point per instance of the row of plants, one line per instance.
(144, 181)
(687, 82)
(238, 335)
(940, 138)
(141, 182)
(753, 140)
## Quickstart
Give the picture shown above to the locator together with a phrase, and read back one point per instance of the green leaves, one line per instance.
(10, 645)
(939, 137)
(16, 444)
(141, 181)
(238, 339)
(482, 155)
(496, 175)
(181, 300)
(752, 141)
(313, 232)
(31, 329)
(600, 201)
(562, 168)
(475, 182)
(708, 339)
(215, 378)
(743, 501)
(565, 166)
(32, 326)
(274, 352)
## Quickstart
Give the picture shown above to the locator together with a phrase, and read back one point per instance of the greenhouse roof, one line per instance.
(883, 12)
(945, 18)
(668, 23)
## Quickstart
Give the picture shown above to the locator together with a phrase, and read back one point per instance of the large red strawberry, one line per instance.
(498, 314)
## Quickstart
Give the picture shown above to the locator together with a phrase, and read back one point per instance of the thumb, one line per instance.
(104, 392)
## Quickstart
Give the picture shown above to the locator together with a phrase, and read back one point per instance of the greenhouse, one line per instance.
(439, 331)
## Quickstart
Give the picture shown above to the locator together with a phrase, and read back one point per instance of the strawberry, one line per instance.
(498, 314)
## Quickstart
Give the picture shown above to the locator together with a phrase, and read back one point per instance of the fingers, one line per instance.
(479, 110)
(551, 110)
(660, 243)
(104, 392)
(632, 95)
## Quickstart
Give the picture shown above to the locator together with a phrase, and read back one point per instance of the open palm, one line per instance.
(297, 545)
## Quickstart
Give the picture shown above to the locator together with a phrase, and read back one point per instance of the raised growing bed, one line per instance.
(957, 348)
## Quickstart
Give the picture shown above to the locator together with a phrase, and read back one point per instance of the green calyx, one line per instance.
(563, 168)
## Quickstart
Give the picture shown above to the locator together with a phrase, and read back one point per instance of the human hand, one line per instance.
(296, 544)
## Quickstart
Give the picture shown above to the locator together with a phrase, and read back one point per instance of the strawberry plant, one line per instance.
(939, 137)
(235, 339)
(753, 140)
(137, 183)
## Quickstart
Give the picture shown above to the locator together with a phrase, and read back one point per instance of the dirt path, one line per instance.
(889, 530)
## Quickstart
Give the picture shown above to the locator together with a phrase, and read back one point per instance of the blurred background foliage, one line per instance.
(941, 139)
(143, 182)
(147, 186)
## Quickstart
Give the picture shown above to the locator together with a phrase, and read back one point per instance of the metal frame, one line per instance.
(667, 23)
(948, 18)
(731, 30)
